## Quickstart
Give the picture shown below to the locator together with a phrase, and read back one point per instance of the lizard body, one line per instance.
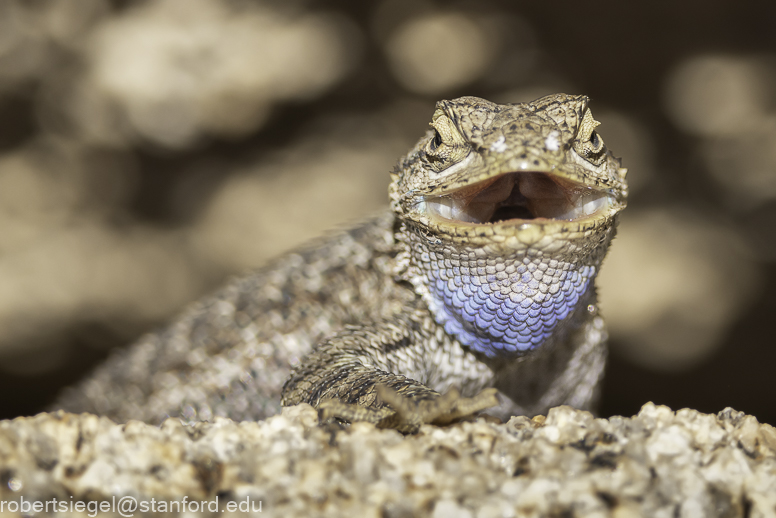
(480, 277)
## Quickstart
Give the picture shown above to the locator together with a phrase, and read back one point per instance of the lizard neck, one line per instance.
(502, 305)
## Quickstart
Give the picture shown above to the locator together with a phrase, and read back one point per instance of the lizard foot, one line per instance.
(406, 414)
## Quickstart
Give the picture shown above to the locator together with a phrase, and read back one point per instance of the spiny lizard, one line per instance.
(479, 279)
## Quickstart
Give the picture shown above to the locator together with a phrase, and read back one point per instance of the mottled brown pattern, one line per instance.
(351, 317)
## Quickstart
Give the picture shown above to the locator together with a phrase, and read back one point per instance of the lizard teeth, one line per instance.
(522, 196)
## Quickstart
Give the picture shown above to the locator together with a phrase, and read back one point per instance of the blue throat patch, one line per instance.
(508, 313)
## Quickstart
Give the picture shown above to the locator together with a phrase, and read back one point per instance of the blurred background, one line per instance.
(150, 150)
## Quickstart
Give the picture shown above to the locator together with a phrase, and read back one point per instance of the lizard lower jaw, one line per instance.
(520, 196)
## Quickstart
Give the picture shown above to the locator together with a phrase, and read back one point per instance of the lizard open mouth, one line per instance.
(520, 195)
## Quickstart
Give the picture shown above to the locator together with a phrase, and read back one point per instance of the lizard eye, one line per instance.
(444, 132)
(436, 141)
(447, 145)
(595, 140)
(589, 144)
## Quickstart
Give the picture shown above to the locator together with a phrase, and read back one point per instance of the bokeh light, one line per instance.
(151, 149)
(673, 286)
(440, 51)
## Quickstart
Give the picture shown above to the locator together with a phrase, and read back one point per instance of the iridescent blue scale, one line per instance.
(505, 316)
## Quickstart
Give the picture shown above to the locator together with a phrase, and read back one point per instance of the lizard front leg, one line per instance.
(365, 373)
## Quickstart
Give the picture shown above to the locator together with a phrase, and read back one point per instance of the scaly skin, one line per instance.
(480, 280)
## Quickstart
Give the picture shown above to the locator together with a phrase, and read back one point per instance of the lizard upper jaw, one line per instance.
(524, 195)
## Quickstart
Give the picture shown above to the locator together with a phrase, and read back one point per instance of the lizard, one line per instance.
(479, 279)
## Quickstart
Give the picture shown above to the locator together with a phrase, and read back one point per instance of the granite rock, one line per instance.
(658, 463)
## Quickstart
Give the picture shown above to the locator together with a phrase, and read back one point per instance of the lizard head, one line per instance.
(492, 198)
(505, 166)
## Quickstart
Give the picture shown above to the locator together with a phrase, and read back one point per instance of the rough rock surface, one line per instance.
(659, 463)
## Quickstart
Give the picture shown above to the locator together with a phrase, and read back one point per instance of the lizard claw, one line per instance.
(441, 410)
(331, 408)
(406, 414)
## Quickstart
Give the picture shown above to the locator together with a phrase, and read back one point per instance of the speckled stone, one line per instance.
(659, 463)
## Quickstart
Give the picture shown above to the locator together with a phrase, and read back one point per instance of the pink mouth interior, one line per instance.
(523, 195)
